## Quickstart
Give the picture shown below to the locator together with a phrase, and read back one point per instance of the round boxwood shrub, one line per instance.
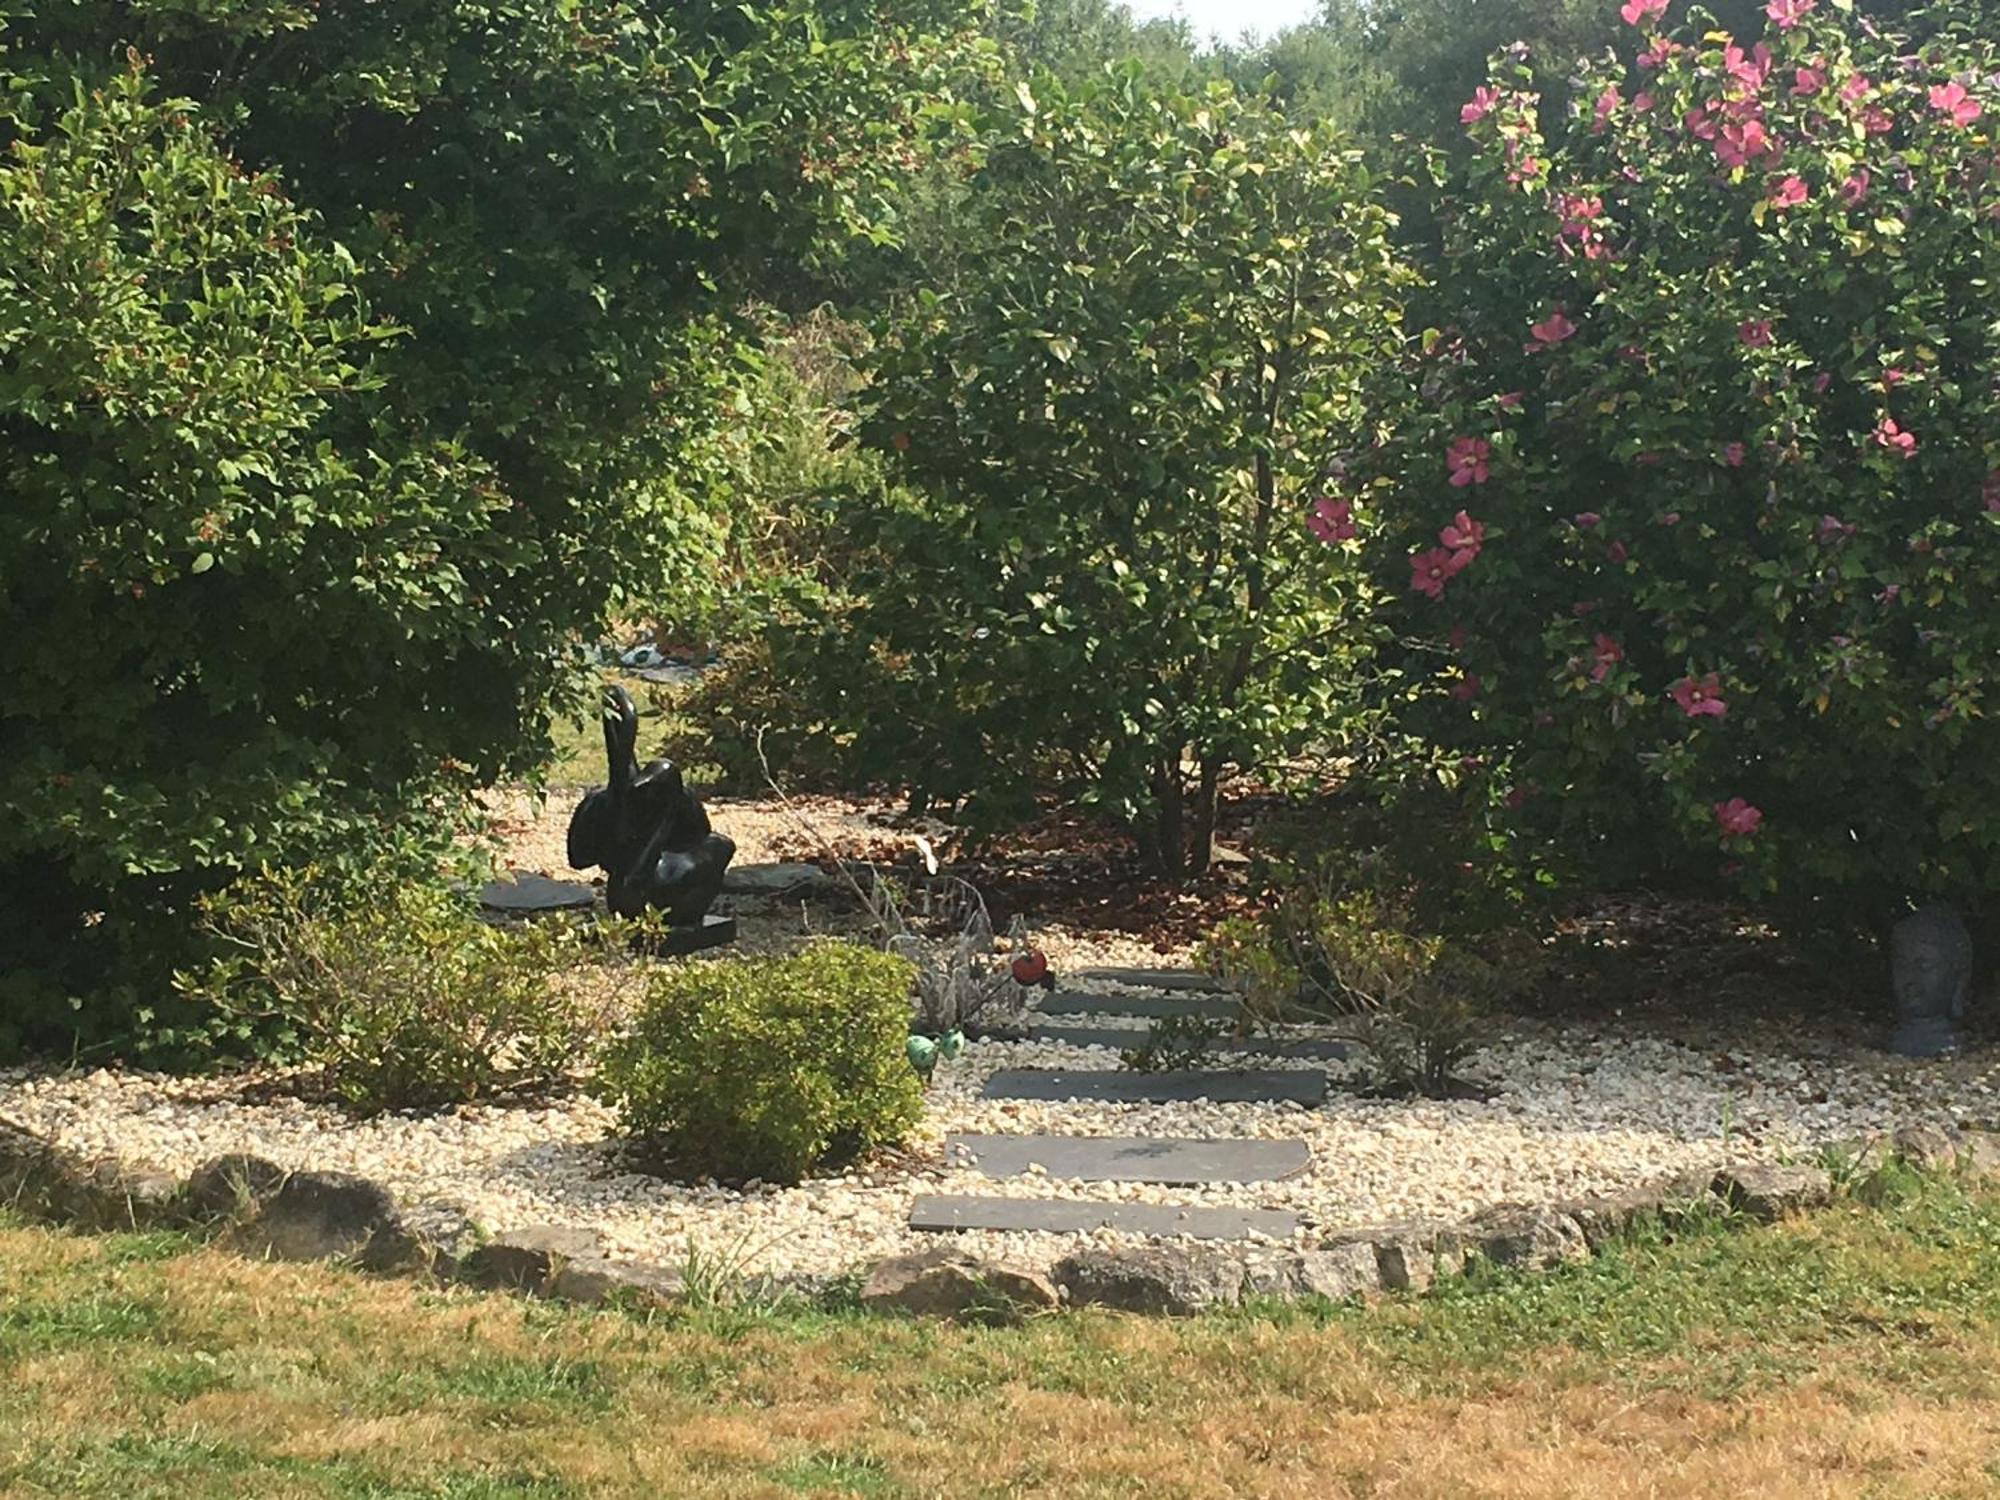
(1692, 520)
(769, 1067)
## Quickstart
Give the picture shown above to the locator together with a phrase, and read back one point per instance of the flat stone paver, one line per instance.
(1114, 1158)
(1131, 1086)
(1128, 1038)
(774, 879)
(1145, 1007)
(1160, 979)
(528, 893)
(942, 1213)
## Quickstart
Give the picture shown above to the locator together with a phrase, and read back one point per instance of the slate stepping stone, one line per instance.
(1127, 1038)
(1111, 1158)
(774, 879)
(1131, 1086)
(1145, 1007)
(536, 893)
(1160, 979)
(940, 1213)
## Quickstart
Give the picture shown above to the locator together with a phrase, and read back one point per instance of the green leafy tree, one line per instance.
(1697, 517)
(358, 361)
(1114, 425)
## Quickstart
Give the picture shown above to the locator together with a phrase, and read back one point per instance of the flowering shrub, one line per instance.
(1695, 523)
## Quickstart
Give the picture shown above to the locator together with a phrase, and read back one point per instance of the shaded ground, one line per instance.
(1856, 1353)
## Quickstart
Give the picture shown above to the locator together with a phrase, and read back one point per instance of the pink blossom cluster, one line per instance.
(1579, 234)
(1332, 520)
(1459, 542)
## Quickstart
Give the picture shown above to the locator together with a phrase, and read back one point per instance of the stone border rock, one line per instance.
(258, 1209)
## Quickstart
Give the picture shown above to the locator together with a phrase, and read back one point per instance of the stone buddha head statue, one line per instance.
(1930, 962)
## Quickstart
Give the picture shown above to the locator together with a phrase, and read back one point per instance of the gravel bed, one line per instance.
(1575, 1112)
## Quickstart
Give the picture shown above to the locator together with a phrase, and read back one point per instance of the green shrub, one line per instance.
(356, 361)
(1115, 422)
(1691, 524)
(1342, 940)
(769, 1067)
(401, 994)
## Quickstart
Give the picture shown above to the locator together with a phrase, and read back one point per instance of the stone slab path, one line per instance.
(1128, 1038)
(1159, 979)
(943, 1213)
(1114, 1158)
(1142, 1007)
(532, 893)
(1128, 1086)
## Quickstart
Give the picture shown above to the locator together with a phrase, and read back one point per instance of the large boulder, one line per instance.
(1336, 1272)
(1166, 1278)
(945, 1284)
(1768, 1191)
(232, 1187)
(1530, 1237)
(327, 1216)
(42, 1180)
(1411, 1254)
(528, 1260)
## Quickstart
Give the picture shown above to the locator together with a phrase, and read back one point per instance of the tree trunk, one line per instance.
(1170, 856)
(1207, 806)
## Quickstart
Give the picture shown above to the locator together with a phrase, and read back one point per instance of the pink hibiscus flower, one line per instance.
(1750, 68)
(1642, 12)
(1700, 123)
(1951, 99)
(1789, 193)
(1876, 120)
(1463, 534)
(1608, 653)
(1607, 104)
(1888, 435)
(1736, 818)
(1855, 89)
(1431, 571)
(1785, 14)
(1854, 191)
(1744, 140)
(1733, 454)
(1552, 330)
(1756, 332)
(1332, 520)
(1807, 81)
(1482, 104)
(1586, 519)
(1467, 459)
(1700, 698)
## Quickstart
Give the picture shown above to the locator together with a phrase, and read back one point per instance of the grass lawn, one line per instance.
(1857, 1352)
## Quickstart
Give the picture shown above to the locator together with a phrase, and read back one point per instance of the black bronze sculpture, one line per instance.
(651, 836)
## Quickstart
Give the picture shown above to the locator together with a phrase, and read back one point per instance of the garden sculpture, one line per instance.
(647, 831)
(1930, 961)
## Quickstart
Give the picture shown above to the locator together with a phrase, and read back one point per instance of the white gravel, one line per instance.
(1577, 1112)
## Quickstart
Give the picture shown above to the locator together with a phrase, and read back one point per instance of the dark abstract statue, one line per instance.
(1930, 960)
(647, 830)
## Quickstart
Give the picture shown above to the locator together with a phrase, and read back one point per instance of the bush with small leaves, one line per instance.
(769, 1067)
(403, 995)
(1344, 941)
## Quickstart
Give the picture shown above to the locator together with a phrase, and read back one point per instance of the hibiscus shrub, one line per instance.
(1694, 524)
